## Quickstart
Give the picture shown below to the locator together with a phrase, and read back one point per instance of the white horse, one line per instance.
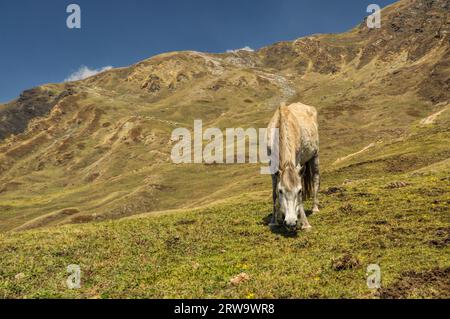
(298, 166)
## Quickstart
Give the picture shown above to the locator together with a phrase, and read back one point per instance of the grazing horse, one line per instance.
(298, 163)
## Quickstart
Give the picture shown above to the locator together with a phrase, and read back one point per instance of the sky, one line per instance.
(37, 47)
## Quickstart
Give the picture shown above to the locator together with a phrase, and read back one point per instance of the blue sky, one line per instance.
(36, 47)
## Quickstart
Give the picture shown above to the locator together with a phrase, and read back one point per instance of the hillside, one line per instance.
(97, 152)
(99, 148)
(399, 222)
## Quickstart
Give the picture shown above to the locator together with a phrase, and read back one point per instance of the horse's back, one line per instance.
(301, 112)
(304, 113)
(308, 127)
(304, 126)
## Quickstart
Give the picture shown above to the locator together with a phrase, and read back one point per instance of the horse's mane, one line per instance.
(289, 176)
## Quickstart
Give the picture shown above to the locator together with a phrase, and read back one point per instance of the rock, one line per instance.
(19, 276)
(395, 185)
(239, 279)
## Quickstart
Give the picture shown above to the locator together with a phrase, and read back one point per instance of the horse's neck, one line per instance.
(287, 144)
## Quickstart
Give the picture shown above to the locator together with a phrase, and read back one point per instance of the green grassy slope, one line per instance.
(396, 218)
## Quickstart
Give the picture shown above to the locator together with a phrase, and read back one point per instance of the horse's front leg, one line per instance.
(303, 219)
(275, 212)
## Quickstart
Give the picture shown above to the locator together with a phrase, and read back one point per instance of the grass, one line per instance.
(195, 253)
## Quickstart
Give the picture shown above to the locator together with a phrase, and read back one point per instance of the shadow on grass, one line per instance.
(281, 230)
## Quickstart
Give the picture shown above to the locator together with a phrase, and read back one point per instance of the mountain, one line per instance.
(86, 176)
(100, 148)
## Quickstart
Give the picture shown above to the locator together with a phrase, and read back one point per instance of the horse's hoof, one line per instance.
(273, 225)
(307, 228)
(315, 211)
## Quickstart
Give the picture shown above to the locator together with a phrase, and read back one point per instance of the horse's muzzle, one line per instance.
(291, 227)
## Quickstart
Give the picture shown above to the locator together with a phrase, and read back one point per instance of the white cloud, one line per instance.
(84, 72)
(247, 48)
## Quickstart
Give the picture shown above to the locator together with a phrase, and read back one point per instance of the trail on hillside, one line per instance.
(433, 117)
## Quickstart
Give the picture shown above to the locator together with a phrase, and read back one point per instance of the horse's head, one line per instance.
(289, 194)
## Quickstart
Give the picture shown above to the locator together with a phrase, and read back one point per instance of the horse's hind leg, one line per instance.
(274, 221)
(316, 182)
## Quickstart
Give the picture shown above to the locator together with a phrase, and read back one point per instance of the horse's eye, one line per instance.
(281, 192)
(300, 192)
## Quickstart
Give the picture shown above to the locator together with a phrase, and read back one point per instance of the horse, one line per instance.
(297, 173)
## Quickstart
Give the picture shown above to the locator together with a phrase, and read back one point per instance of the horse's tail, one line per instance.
(307, 180)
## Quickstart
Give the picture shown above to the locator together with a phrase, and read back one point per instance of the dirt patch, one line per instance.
(10, 186)
(333, 190)
(426, 284)
(173, 242)
(25, 148)
(442, 238)
(81, 219)
(345, 262)
(185, 222)
(349, 209)
(91, 177)
(64, 158)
